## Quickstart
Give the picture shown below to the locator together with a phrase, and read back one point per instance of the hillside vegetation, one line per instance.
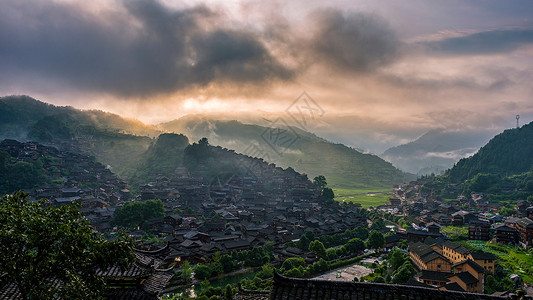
(113, 140)
(503, 169)
(508, 153)
(291, 147)
(130, 149)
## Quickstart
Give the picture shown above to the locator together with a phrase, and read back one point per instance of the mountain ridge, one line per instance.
(113, 140)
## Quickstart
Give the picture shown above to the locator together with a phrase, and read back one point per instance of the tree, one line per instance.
(355, 245)
(375, 240)
(40, 244)
(396, 259)
(327, 195)
(133, 214)
(331, 254)
(402, 244)
(320, 181)
(318, 248)
(305, 239)
(228, 292)
(186, 272)
(227, 263)
(293, 262)
(403, 274)
(202, 272)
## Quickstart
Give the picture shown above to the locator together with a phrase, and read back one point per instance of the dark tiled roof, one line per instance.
(307, 289)
(483, 255)
(414, 282)
(435, 275)
(456, 248)
(471, 263)
(525, 222)
(425, 252)
(453, 286)
(466, 277)
(504, 227)
(130, 294)
(434, 241)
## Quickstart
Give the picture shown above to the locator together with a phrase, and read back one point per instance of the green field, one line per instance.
(455, 233)
(514, 258)
(367, 197)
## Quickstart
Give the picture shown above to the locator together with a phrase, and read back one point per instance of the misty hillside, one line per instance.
(162, 158)
(120, 143)
(436, 150)
(291, 147)
(508, 153)
(18, 114)
(172, 155)
(113, 140)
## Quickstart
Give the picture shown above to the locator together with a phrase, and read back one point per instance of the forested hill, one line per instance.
(285, 146)
(113, 140)
(508, 153)
(172, 155)
(123, 144)
(23, 118)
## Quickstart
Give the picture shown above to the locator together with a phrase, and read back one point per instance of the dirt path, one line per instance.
(345, 273)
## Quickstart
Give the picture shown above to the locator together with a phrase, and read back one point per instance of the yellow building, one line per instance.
(469, 275)
(456, 254)
(426, 258)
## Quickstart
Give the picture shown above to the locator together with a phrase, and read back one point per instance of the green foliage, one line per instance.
(331, 254)
(305, 240)
(318, 248)
(455, 233)
(267, 271)
(38, 243)
(197, 153)
(499, 282)
(162, 158)
(482, 182)
(375, 240)
(320, 181)
(506, 211)
(16, 175)
(355, 245)
(402, 244)
(327, 195)
(228, 292)
(202, 272)
(342, 166)
(293, 262)
(403, 274)
(397, 259)
(512, 258)
(377, 225)
(255, 257)
(52, 128)
(133, 214)
(228, 265)
(186, 272)
(295, 272)
(510, 152)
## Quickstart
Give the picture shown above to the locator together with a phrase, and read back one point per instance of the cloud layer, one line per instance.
(144, 48)
(141, 48)
(380, 70)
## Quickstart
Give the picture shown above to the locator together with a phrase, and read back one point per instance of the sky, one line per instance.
(384, 71)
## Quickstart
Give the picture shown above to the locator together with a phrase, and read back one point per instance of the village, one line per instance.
(275, 210)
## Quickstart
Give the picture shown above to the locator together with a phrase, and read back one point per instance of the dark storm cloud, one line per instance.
(355, 42)
(486, 42)
(143, 48)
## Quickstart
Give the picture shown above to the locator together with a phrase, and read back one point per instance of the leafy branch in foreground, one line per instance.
(52, 252)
